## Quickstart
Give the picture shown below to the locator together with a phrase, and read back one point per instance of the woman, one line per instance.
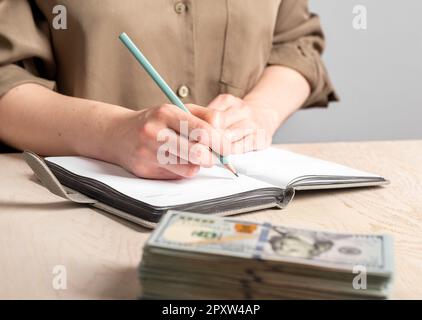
(242, 66)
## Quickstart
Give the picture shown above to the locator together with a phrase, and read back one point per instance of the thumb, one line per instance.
(225, 101)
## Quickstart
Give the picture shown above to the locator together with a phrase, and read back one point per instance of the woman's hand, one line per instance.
(165, 142)
(252, 121)
(248, 125)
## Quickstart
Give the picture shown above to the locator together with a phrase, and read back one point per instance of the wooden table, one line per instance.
(39, 231)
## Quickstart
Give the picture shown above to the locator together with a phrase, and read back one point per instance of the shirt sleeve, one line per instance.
(298, 43)
(25, 50)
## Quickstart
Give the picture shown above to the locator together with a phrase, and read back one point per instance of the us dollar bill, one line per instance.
(205, 234)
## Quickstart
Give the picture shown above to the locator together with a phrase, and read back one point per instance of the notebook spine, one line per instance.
(286, 197)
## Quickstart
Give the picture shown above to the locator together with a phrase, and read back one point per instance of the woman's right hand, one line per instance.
(35, 118)
(165, 142)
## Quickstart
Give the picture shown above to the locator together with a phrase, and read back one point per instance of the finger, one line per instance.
(224, 101)
(183, 170)
(201, 155)
(244, 145)
(151, 171)
(213, 117)
(233, 115)
(184, 151)
(239, 134)
(240, 130)
(257, 140)
(162, 174)
(195, 129)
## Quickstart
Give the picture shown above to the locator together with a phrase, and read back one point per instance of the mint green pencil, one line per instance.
(164, 86)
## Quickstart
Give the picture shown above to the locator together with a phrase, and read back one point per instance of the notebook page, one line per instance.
(279, 167)
(210, 183)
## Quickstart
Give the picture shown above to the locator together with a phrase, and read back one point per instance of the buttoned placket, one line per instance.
(186, 86)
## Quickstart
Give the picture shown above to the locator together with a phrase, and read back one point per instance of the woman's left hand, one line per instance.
(251, 122)
(249, 125)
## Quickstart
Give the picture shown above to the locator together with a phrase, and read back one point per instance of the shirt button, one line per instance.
(183, 91)
(180, 7)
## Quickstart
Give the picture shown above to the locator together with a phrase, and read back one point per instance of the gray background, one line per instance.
(377, 73)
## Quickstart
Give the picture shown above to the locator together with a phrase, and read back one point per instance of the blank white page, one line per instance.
(210, 183)
(279, 167)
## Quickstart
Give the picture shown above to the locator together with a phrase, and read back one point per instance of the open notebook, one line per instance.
(267, 179)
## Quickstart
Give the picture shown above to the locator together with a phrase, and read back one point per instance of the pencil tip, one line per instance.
(231, 169)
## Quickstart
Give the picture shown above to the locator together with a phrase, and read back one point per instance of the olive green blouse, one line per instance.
(201, 48)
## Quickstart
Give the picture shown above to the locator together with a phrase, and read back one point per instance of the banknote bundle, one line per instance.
(195, 256)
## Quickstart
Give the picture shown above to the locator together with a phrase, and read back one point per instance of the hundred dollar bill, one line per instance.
(198, 233)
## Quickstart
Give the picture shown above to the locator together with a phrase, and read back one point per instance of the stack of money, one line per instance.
(194, 256)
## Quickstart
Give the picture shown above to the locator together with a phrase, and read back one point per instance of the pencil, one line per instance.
(136, 52)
